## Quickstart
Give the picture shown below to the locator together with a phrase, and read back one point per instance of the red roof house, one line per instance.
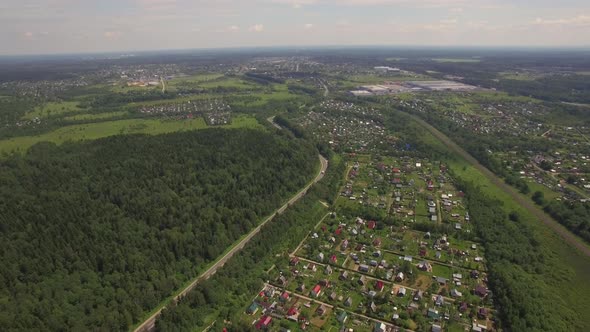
(264, 322)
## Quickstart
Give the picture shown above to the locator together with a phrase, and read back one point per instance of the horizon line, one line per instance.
(309, 47)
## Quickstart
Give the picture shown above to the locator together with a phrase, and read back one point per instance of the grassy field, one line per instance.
(123, 88)
(229, 82)
(100, 116)
(109, 128)
(53, 108)
(194, 79)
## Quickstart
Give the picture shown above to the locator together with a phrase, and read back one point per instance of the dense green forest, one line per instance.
(228, 292)
(519, 269)
(96, 234)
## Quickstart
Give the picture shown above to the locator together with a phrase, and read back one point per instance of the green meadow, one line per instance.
(109, 128)
(53, 108)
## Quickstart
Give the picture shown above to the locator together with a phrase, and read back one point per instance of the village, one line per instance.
(557, 166)
(416, 266)
(214, 111)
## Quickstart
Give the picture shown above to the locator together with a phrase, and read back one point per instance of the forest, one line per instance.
(96, 234)
(519, 268)
(225, 295)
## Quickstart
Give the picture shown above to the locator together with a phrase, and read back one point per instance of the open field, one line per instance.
(53, 108)
(100, 116)
(110, 128)
(200, 78)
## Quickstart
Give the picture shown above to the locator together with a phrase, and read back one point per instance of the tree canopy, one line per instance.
(96, 234)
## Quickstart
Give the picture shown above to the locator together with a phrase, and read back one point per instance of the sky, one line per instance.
(82, 26)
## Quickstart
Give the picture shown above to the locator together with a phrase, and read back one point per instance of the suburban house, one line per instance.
(328, 269)
(343, 275)
(401, 292)
(293, 314)
(379, 285)
(442, 281)
(481, 291)
(284, 297)
(440, 301)
(253, 308)
(456, 293)
(380, 327)
(418, 295)
(316, 291)
(373, 306)
(264, 322)
(433, 313)
(333, 296)
(348, 302)
(424, 266)
(399, 277)
(362, 280)
(482, 313)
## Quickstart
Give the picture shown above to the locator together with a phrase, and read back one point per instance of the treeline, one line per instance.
(263, 79)
(226, 295)
(297, 130)
(570, 88)
(112, 100)
(302, 89)
(575, 216)
(521, 270)
(12, 109)
(96, 234)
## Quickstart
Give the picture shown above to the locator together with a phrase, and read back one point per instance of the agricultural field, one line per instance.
(109, 128)
(99, 116)
(53, 109)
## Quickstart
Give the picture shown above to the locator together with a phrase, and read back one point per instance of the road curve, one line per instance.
(149, 324)
(565, 234)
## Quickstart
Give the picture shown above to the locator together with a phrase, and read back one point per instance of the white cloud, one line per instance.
(257, 28)
(156, 5)
(577, 21)
(449, 21)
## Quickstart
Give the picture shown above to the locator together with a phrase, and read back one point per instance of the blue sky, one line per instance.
(69, 26)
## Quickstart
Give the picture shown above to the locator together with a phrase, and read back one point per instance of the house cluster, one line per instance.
(347, 127)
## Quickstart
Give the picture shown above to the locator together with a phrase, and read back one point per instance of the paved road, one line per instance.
(566, 235)
(149, 324)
